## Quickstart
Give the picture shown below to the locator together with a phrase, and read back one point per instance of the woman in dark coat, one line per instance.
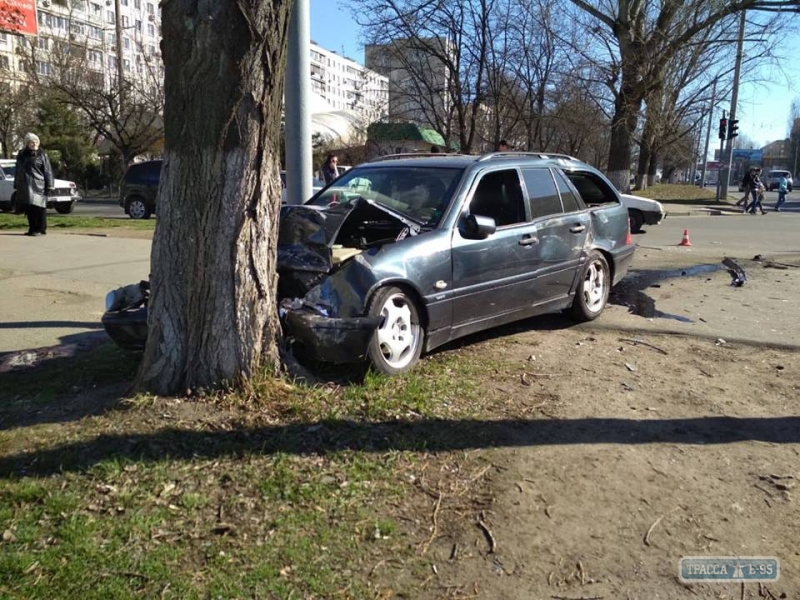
(329, 170)
(33, 179)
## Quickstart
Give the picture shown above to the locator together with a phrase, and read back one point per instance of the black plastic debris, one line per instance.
(738, 276)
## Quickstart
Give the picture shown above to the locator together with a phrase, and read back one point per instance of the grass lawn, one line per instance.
(681, 194)
(56, 221)
(278, 491)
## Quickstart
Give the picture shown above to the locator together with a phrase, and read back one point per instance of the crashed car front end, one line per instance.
(324, 285)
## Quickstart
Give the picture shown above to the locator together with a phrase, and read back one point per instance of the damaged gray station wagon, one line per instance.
(406, 253)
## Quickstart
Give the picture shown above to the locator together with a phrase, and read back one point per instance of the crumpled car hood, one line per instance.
(306, 234)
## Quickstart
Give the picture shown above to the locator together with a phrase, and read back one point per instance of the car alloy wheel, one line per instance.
(397, 342)
(593, 288)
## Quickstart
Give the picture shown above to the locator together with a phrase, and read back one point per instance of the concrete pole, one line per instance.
(708, 133)
(297, 106)
(734, 100)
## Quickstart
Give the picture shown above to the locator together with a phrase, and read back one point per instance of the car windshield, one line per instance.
(9, 170)
(420, 193)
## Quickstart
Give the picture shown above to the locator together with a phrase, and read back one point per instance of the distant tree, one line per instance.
(647, 37)
(128, 117)
(15, 114)
(62, 130)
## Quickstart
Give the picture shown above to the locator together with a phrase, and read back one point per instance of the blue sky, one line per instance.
(764, 107)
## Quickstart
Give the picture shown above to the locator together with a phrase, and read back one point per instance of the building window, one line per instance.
(126, 22)
(126, 43)
(138, 26)
(110, 16)
(150, 9)
(43, 68)
(151, 30)
(4, 64)
(137, 4)
(43, 43)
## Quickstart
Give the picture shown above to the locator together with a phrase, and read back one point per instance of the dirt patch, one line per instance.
(615, 459)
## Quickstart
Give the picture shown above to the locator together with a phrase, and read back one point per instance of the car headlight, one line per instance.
(113, 299)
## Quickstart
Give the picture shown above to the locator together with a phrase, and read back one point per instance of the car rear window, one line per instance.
(543, 196)
(593, 190)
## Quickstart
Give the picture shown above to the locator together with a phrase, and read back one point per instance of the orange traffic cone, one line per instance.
(628, 238)
(685, 241)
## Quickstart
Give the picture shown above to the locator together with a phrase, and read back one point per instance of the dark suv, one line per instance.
(137, 194)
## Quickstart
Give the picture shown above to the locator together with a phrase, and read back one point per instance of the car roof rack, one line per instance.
(514, 154)
(414, 155)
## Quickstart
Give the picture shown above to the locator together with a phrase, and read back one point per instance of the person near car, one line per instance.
(746, 187)
(783, 187)
(330, 170)
(502, 146)
(757, 192)
(32, 181)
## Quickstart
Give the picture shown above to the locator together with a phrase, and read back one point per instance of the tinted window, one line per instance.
(542, 194)
(593, 190)
(499, 196)
(568, 198)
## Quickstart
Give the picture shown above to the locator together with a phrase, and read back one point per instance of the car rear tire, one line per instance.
(137, 208)
(64, 208)
(637, 220)
(396, 345)
(593, 288)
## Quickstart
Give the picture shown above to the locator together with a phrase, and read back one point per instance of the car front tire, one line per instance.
(137, 208)
(396, 345)
(637, 220)
(65, 208)
(593, 288)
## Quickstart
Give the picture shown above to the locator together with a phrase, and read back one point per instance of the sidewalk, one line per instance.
(54, 286)
(684, 209)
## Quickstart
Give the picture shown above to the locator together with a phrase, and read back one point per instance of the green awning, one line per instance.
(404, 131)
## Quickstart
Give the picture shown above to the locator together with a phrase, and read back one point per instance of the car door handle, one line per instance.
(577, 228)
(528, 240)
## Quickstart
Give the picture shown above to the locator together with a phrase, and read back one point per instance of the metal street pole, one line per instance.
(708, 133)
(297, 105)
(734, 100)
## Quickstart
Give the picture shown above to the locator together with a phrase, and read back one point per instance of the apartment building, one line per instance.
(90, 25)
(346, 85)
(418, 77)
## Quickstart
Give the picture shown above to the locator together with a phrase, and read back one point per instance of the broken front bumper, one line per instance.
(330, 339)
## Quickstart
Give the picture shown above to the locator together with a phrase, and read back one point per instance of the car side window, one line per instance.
(499, 196)
(569, 199)
(543, 197)
(593, 190)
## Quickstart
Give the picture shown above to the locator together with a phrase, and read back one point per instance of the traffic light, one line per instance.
(723, 128)
(733, 128)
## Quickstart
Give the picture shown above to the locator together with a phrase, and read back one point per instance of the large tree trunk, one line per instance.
(212, 313)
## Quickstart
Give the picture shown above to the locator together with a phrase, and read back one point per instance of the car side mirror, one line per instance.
(476, 227)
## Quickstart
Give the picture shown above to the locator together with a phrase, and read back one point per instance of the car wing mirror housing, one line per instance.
(476, 227)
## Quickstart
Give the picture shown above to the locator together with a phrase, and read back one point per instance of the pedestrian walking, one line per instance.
(32, 181)
(783, 187)
(330, 171)
(746, 185)
(757, 190)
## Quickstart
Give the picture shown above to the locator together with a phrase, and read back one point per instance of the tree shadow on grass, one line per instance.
(439, 435)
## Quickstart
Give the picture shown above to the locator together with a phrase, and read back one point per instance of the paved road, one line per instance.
(109, 209)
(52, 288)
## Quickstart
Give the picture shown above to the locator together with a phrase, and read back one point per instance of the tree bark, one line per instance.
(212, 313)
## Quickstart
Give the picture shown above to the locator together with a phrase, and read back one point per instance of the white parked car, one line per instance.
(643, 211)
(63, 198)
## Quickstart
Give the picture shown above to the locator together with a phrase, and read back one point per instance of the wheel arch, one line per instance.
(409, 289)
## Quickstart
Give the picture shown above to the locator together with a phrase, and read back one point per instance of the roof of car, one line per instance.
(435, 159)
